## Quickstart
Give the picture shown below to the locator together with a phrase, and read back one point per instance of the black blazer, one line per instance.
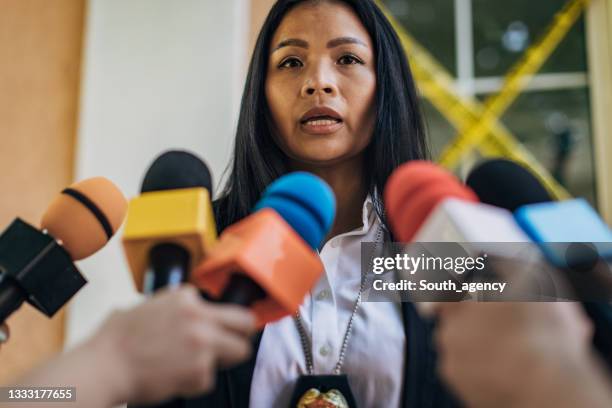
(422, 386)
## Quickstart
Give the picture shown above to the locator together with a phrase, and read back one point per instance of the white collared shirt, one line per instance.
(374, 359)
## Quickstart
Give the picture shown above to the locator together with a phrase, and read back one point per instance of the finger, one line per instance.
(228, 347)
(444, 309)
(230, 317)
(203, 378)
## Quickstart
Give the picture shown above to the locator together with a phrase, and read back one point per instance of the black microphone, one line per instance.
(505, 184)
(169, 225)
(508, 185)
(171, 171)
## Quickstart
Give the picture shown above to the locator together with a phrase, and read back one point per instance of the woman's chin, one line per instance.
(324, 151)
(322, 159)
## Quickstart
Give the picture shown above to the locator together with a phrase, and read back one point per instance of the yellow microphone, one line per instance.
(171, 225)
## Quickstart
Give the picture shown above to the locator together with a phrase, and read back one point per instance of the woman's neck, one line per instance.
(347, 182)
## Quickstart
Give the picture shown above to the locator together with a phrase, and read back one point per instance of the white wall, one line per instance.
(157, 74)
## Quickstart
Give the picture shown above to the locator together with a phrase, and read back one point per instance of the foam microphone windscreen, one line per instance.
(506, 184)
(85, 216)
(414, 190)
(176, 169)
(305, 202)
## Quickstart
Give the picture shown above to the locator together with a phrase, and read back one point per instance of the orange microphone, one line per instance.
(37, 265)
(267, 260)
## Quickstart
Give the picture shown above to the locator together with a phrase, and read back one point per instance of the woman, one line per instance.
(329, 91)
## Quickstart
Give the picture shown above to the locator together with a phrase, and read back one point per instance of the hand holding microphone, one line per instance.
(517, 354)
(172, 344)
(509, 354)
(170, 228)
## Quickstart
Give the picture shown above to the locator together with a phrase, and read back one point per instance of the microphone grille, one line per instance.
(176, 169)
(305, 202)
(506, 184)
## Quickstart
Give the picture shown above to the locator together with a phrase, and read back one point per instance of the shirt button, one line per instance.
(324, 294)
(325, 350)
(335, 243)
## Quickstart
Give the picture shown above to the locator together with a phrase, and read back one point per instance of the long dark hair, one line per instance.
(398, 133)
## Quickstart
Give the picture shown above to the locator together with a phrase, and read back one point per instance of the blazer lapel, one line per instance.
(239, 379)
(422, 386)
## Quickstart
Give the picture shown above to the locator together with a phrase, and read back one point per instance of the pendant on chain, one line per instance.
(322, 391)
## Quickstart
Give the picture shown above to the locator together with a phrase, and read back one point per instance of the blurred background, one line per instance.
(100, 87)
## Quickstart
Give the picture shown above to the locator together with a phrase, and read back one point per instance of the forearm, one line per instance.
(90, 369)
(582, 382)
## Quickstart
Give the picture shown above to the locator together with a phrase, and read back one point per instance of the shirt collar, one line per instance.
(368, 218)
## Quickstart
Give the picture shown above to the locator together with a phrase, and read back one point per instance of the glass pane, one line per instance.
(432, 23)
(439, 131)
(555, 126)
(502, 34)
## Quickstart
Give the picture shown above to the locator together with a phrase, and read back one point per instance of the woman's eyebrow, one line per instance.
(296, 42)
(345, 40)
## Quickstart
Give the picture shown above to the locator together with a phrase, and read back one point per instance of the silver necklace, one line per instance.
(349, 328)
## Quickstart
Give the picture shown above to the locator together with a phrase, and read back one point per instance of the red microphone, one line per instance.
(427, 204)
(414, 191)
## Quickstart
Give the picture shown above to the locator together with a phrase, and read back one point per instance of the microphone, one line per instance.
(37, 265)
(553, 226)
(425, 203)
(170, 226)
(504, 184)
(430, 208)
(267, 261)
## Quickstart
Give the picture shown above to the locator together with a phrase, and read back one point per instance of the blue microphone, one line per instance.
(558, 228)
(305, 202)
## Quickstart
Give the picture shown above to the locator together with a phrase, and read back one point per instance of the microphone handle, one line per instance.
(169, 267)
(11, 297)
(242, 290)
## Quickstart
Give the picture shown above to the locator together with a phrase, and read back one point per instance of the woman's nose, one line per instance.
(320, 83)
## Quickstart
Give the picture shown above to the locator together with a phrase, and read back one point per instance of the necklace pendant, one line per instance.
(313, 398)
(322, 391)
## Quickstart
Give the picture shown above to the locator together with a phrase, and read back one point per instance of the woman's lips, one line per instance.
(321, 126)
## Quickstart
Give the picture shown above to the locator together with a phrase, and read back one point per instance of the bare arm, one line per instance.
(170, 345)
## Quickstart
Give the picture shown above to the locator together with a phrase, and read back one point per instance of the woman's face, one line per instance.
(321, 84)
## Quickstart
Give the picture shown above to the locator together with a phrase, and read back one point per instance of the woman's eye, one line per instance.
(290, 63)
(349, 60)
